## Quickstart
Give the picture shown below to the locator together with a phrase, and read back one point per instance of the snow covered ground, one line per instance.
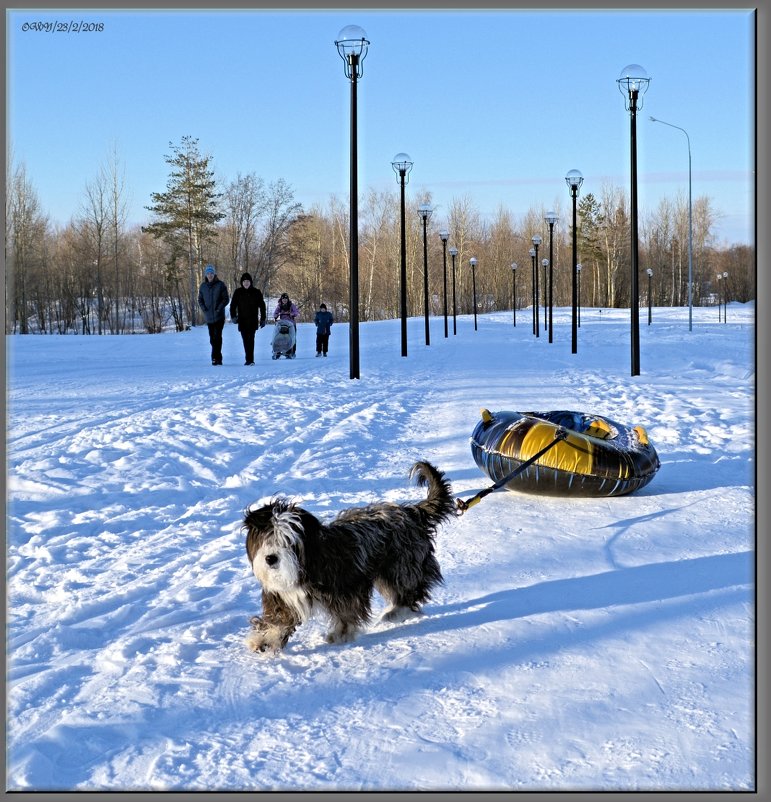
(577, 644)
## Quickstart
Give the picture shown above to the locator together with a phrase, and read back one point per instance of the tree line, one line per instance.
(99, 275)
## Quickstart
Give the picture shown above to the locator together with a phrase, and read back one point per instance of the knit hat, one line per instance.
(322, 306)
(210, 270)
(246, 277)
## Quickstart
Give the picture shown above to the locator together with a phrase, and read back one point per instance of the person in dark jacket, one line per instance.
(213, 299)
(323, 321)
(248, 310)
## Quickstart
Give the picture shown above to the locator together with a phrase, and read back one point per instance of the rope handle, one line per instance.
(561, 434)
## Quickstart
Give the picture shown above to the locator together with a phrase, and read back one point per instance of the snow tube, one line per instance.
(598, 456)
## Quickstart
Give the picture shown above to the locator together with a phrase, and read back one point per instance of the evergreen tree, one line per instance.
(188, 211)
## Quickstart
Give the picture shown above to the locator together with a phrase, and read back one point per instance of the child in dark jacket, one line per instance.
(248, 310)
(323, 321)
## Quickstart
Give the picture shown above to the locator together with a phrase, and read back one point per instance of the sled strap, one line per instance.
(560, 435)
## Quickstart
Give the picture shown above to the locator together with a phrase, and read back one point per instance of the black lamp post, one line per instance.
(551, 218)
(453, 254)
(402, 164)
(545, 264)
(536, 240)
(633, 83)
(574, 179)
(424, 210)
(725, 297)
(352, 46)
(473, 263)
(650, 297)
(578, 275)
(533, 271)
(444, 235)
(719, 299)
(514, 291)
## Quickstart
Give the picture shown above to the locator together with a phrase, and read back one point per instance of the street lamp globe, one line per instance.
(574, 178)
(402, 164)
(352, 45)
(633, 84)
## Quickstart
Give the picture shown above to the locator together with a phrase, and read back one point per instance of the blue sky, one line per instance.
(493, 105)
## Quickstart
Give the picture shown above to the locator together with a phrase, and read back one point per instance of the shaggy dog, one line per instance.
(305, 566)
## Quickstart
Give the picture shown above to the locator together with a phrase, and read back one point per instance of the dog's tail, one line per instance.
(439, 506)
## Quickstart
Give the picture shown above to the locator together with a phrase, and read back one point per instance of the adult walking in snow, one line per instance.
(286, 310)
(213, 299)
(248, 310)
(323, 321)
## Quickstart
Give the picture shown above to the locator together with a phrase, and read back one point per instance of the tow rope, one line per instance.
(465, 505)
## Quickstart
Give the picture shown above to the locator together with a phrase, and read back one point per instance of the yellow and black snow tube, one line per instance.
(597, 457)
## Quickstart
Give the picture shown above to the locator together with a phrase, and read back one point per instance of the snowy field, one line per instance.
(577, 644)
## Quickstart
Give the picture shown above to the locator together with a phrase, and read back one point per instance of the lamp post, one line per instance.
(453, 254)
(551, 218)
(633, 83)
(574, 179)
(719, 299)
(536, 240)
(690, 223)
(352, 46)
(650, 297)
(473, 263)
(444, 235)
(578, 275)
(402, 164)
(424, 210)
(725, 297)
(514, 291)
(532, 260)
(545, 264)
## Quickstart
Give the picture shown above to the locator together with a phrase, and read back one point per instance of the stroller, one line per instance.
(283, 342)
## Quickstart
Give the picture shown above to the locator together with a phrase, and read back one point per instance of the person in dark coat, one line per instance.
(213, 299)
(323, 321)
(248, 310)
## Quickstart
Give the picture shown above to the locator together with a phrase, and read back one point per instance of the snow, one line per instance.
(577, 644)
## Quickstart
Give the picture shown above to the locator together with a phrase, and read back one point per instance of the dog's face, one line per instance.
(274, 546)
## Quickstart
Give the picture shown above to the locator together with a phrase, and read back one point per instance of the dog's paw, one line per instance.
(396, 615)
(342, 634)
(266, 640)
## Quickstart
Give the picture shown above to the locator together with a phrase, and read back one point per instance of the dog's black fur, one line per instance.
(305, 565)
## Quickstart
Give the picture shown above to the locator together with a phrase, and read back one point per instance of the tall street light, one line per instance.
(514, 291)
(424, 210)
(352, 45)
(690, 223)
(719, 299)
(650, 297)
(473, 263)
(444, 235)
(574, 179)
(402, 164)
(725, 297)
(578, 274)
(545, 264)
(453, 254)
(536, 240)
(633, 83)
(551, 218)
(535, 304)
